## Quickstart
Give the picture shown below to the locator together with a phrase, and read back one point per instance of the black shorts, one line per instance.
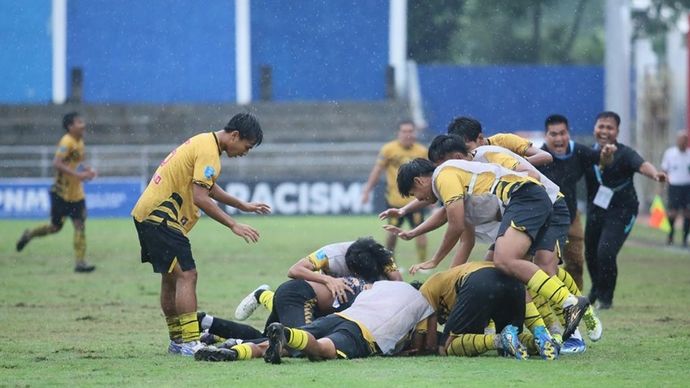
(346, 336)
(413, 219)
(164, 247)
(555, 235)
(59, 209)
(294, 304)
(679, 197)
(528, 211)
(486, 294)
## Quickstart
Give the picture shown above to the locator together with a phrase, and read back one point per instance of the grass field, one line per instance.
(106, 328)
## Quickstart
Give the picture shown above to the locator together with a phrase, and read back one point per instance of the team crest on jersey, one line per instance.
(209, 172)
(321, 255)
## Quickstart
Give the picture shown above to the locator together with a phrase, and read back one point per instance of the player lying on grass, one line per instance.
(527, 210)
(465, 298)
(380, 321)
(328, 266)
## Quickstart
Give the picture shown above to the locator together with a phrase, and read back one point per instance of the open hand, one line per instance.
(405, 235)
(257, 207)
(391, 213)
(249, 234)
(429, 264)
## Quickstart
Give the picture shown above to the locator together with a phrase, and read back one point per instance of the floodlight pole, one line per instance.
(59, 34)
(617, 77)
(243, 54)
(397, 44)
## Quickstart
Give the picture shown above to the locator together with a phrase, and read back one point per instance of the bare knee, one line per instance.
(187, 276)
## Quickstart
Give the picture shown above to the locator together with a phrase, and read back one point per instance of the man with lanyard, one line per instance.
(611, 207)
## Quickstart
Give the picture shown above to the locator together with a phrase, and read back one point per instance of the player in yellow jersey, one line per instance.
(184, 183)
(465, 298)
(527, 210)
(470, 130)
(67, 193)
(392, 155)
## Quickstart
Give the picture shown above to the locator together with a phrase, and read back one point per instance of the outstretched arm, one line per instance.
(304, 269)
(222, 196)
(203, 201)
(647, 169)
(371, 182)
(455, 213)
(537, 156)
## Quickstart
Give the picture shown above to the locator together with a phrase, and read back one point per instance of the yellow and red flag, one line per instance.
(657, 215)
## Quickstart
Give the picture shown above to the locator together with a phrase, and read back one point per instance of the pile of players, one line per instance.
(518, 301)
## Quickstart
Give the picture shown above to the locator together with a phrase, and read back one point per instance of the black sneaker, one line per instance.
(573, 314)
(21, 243)
(84, 268)
(211, 353)
(276, 341)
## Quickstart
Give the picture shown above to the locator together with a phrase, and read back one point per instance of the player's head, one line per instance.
(682, 140)
(447, 147)
(414, 179)
(556, 134)
(469, 129)
(368, 259)
(606, 128)
(407, 133)
(243, 132)
(73, 124)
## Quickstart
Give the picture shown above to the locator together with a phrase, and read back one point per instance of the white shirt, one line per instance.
(390, 310)
(677, 166)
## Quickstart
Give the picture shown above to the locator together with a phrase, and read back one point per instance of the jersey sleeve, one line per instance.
(206, 168)
(504, 160)
(319, 259)
(665, 162)
(384, 156)
(64, 148)
(634, 160)
(515, 143)
(450, 186)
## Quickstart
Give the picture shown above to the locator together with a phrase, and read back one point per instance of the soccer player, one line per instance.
(67, 193)
(391, 156)
(611, 207)
(470, 130)
(465, 298)
(379, 321)
(676, 163)
(328, 267)
(184, 183)
(527, 209)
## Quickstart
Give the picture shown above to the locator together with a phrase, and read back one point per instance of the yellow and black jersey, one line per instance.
(168, 195)
(455, 179)
(330, 260)
(71, 152)
(502, 160)
(440, 290)
(391, 157)
(515, 143)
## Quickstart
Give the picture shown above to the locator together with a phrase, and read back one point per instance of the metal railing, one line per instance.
(299, 159)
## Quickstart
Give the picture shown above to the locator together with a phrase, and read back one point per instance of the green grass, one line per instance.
(106, 328)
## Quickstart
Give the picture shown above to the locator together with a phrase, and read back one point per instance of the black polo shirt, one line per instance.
(566, 170)
(618, 176)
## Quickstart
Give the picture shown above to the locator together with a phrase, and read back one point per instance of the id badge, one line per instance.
(603, 197)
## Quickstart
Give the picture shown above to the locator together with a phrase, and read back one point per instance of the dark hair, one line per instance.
(443, 145)
(248, 126)
(406, 122)
(68, 119)
(417, 284)
(555, 119)
(465, 127)
(368, 259)
(609, 115)
(410, 170)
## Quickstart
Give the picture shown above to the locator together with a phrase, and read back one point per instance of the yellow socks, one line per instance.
(174, 329)
(532, 316)
(79, 245)
(568, 281)
(296, 338)
(550, 288)
(528, 340)
(244, 351)
(470, 345)
(266, 299)
(189, 326)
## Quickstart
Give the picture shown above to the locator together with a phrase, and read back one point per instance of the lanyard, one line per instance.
(597, 173)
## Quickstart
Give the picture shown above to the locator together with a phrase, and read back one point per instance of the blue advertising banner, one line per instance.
(105, 197)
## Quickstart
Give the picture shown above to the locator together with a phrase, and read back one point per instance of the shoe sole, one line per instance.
(509, 348)
(276, 339)
(242, 314)
(570, 327)
(213, 355)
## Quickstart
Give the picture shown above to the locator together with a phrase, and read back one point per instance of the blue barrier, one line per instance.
(512, 98)
(105, 197)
